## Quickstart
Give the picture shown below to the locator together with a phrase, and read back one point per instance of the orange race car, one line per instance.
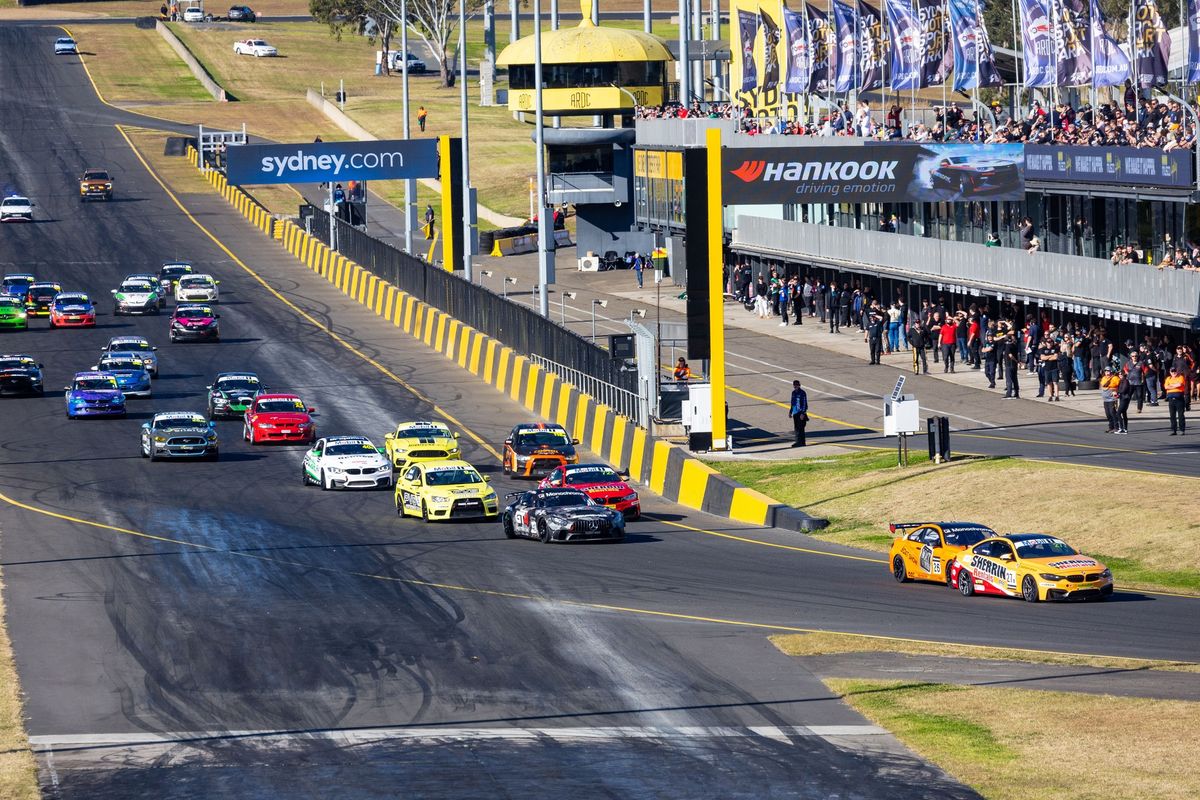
(924, 550)
(534, 449)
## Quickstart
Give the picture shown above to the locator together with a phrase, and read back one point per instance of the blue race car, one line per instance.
(129, 370)
(18, 285)
(94, 394)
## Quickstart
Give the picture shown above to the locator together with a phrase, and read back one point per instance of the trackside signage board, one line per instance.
(331, 162)
(1112, 166)
(880, 173)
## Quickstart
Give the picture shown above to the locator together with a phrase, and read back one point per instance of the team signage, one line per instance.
(872, 174)
(332, 162)
(1114, 166)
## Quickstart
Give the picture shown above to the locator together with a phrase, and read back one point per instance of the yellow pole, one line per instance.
(448, 188)
(716, 288)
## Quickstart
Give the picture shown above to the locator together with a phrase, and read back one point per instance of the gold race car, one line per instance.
(923, 550)
(412, 442)
(1032, 566)
(436, 490)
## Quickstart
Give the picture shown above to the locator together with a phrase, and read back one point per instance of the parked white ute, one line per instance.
(16, 208)
(346, 462)
(254, 47)
(197, 288)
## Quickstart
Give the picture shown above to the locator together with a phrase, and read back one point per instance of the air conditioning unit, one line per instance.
(589, 263)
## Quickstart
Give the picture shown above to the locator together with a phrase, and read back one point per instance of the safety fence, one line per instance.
(665, 468)
(629, 404)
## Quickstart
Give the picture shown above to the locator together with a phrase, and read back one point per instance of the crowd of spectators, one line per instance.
(1152, 123)
(1185, 257)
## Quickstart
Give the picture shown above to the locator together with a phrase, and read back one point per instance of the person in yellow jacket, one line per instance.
(1175, 388)
(1108, 393)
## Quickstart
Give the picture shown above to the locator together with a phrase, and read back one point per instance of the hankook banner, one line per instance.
(1114, 166)
(331, 162)
(884, 173)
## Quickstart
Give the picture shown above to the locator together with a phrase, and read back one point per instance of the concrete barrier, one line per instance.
(206, 80)
(338, 117)
(667, 469)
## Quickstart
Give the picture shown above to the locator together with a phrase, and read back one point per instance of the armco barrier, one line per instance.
(666, 469)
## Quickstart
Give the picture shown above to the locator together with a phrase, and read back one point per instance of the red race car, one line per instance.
(72, 310)
(279, 418)
(600, 482)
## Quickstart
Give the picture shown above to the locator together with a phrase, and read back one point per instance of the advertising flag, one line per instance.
(974, 64)
(846, 59)
(936, 56)
(872, 47)
(799, 50)
(906, 45)
(1152, 45)
(1192, 68)
(1070, 31)
(771, 34)
(1110, 65)
(748, 27)
(822, 46)
(1035, 38)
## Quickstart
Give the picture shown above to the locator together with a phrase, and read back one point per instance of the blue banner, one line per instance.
(822, 47)
(1193, 36)
(331, 162)
(906, 45)
(799, 49)
(872, 47)
(1152, 45)
(1035, 39)
(936, 56)
(1070, 29)
(748, 28)
(1110, 65)
(771, 34)
(974, 65)
(844, 21)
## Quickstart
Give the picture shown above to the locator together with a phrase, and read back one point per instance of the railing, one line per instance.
(628, 404)
(1087, 282)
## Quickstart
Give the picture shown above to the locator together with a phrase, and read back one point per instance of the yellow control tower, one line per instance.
(588, 69)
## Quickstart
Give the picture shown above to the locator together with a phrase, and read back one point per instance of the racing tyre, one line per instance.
(504, 466)
(509, 533)
(143, 450)
(399, 508)
(1029, 590)
(899, 572)
(325, 485)
(304, 479)
(965, 586)
(153, 455)
(424, 512)
(543, 532)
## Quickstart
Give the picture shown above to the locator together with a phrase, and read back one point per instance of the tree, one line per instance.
(362, 17)
(436, 22)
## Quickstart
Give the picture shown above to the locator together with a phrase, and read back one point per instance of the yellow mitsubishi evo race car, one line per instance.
(436, 490)
(1032, 566)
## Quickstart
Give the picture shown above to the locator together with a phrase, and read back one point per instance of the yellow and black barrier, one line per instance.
(667, 469)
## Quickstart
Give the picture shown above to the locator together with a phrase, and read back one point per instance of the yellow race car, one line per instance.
(1032, 566)
(445, 490)
(412, 442)
(923, 550)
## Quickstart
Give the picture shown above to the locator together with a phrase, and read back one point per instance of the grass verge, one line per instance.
(816, 644)
(1147, 542)
(18, 772)
(1015, 744)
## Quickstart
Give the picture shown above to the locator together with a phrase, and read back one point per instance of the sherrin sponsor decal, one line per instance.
(991, 569)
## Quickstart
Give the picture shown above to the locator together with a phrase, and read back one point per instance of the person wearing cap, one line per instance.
(683, 373)
(798, 412)
(1175, 388)
(1108, 394)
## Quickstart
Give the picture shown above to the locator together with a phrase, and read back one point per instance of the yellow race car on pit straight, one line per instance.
(923, 550)
(412, 442)
(437, 490)
(1032, 566)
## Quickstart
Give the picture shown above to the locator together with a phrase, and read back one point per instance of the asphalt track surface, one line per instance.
(201, 630)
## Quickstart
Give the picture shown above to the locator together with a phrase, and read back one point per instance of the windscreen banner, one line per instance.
(880, 173)
(331, 162)
(1113, 166)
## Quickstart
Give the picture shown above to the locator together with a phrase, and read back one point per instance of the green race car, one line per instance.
(12, 314)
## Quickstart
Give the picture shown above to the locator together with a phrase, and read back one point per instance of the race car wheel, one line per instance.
(325, 484)
(504, 466)
(153, 455)
(304, 479)
(899, 572)
(543, 532)
(144, 449)
(509, 532)
(1029, 590)
(424, 512)
(966, 586)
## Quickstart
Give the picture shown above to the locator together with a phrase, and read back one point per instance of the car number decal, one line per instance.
(930, 563)
(411, 500)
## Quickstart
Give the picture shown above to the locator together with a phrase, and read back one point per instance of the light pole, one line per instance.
(466, 159)
(602, 304)
(410, 185)
(507, 281)
(545, 232)
(566, 296)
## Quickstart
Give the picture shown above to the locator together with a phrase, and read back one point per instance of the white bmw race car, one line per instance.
(346, 462)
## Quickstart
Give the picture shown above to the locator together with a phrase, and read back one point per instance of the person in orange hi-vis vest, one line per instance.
(1175, 388)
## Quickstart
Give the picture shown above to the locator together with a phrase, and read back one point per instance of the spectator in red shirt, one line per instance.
(949, 346)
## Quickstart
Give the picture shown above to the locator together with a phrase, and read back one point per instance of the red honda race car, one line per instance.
(279, 418)
(600, 482)
(72, 310)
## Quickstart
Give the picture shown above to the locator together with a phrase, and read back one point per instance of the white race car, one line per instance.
(346, 462)
(197, 288)
(16, 208)
(254, 47)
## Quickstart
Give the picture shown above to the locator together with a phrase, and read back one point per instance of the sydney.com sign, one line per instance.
(331, 162)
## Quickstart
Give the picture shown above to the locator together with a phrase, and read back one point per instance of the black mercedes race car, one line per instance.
(20, 375)
(561, 515)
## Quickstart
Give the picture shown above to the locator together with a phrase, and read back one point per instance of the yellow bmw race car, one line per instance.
(923, 550)
(445, 490)
(1032, 566)
(412, 442)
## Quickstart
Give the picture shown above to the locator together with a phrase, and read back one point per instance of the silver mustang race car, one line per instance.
(179, 434)
(561, 515)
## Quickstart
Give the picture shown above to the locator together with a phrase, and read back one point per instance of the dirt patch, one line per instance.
(18, 772)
